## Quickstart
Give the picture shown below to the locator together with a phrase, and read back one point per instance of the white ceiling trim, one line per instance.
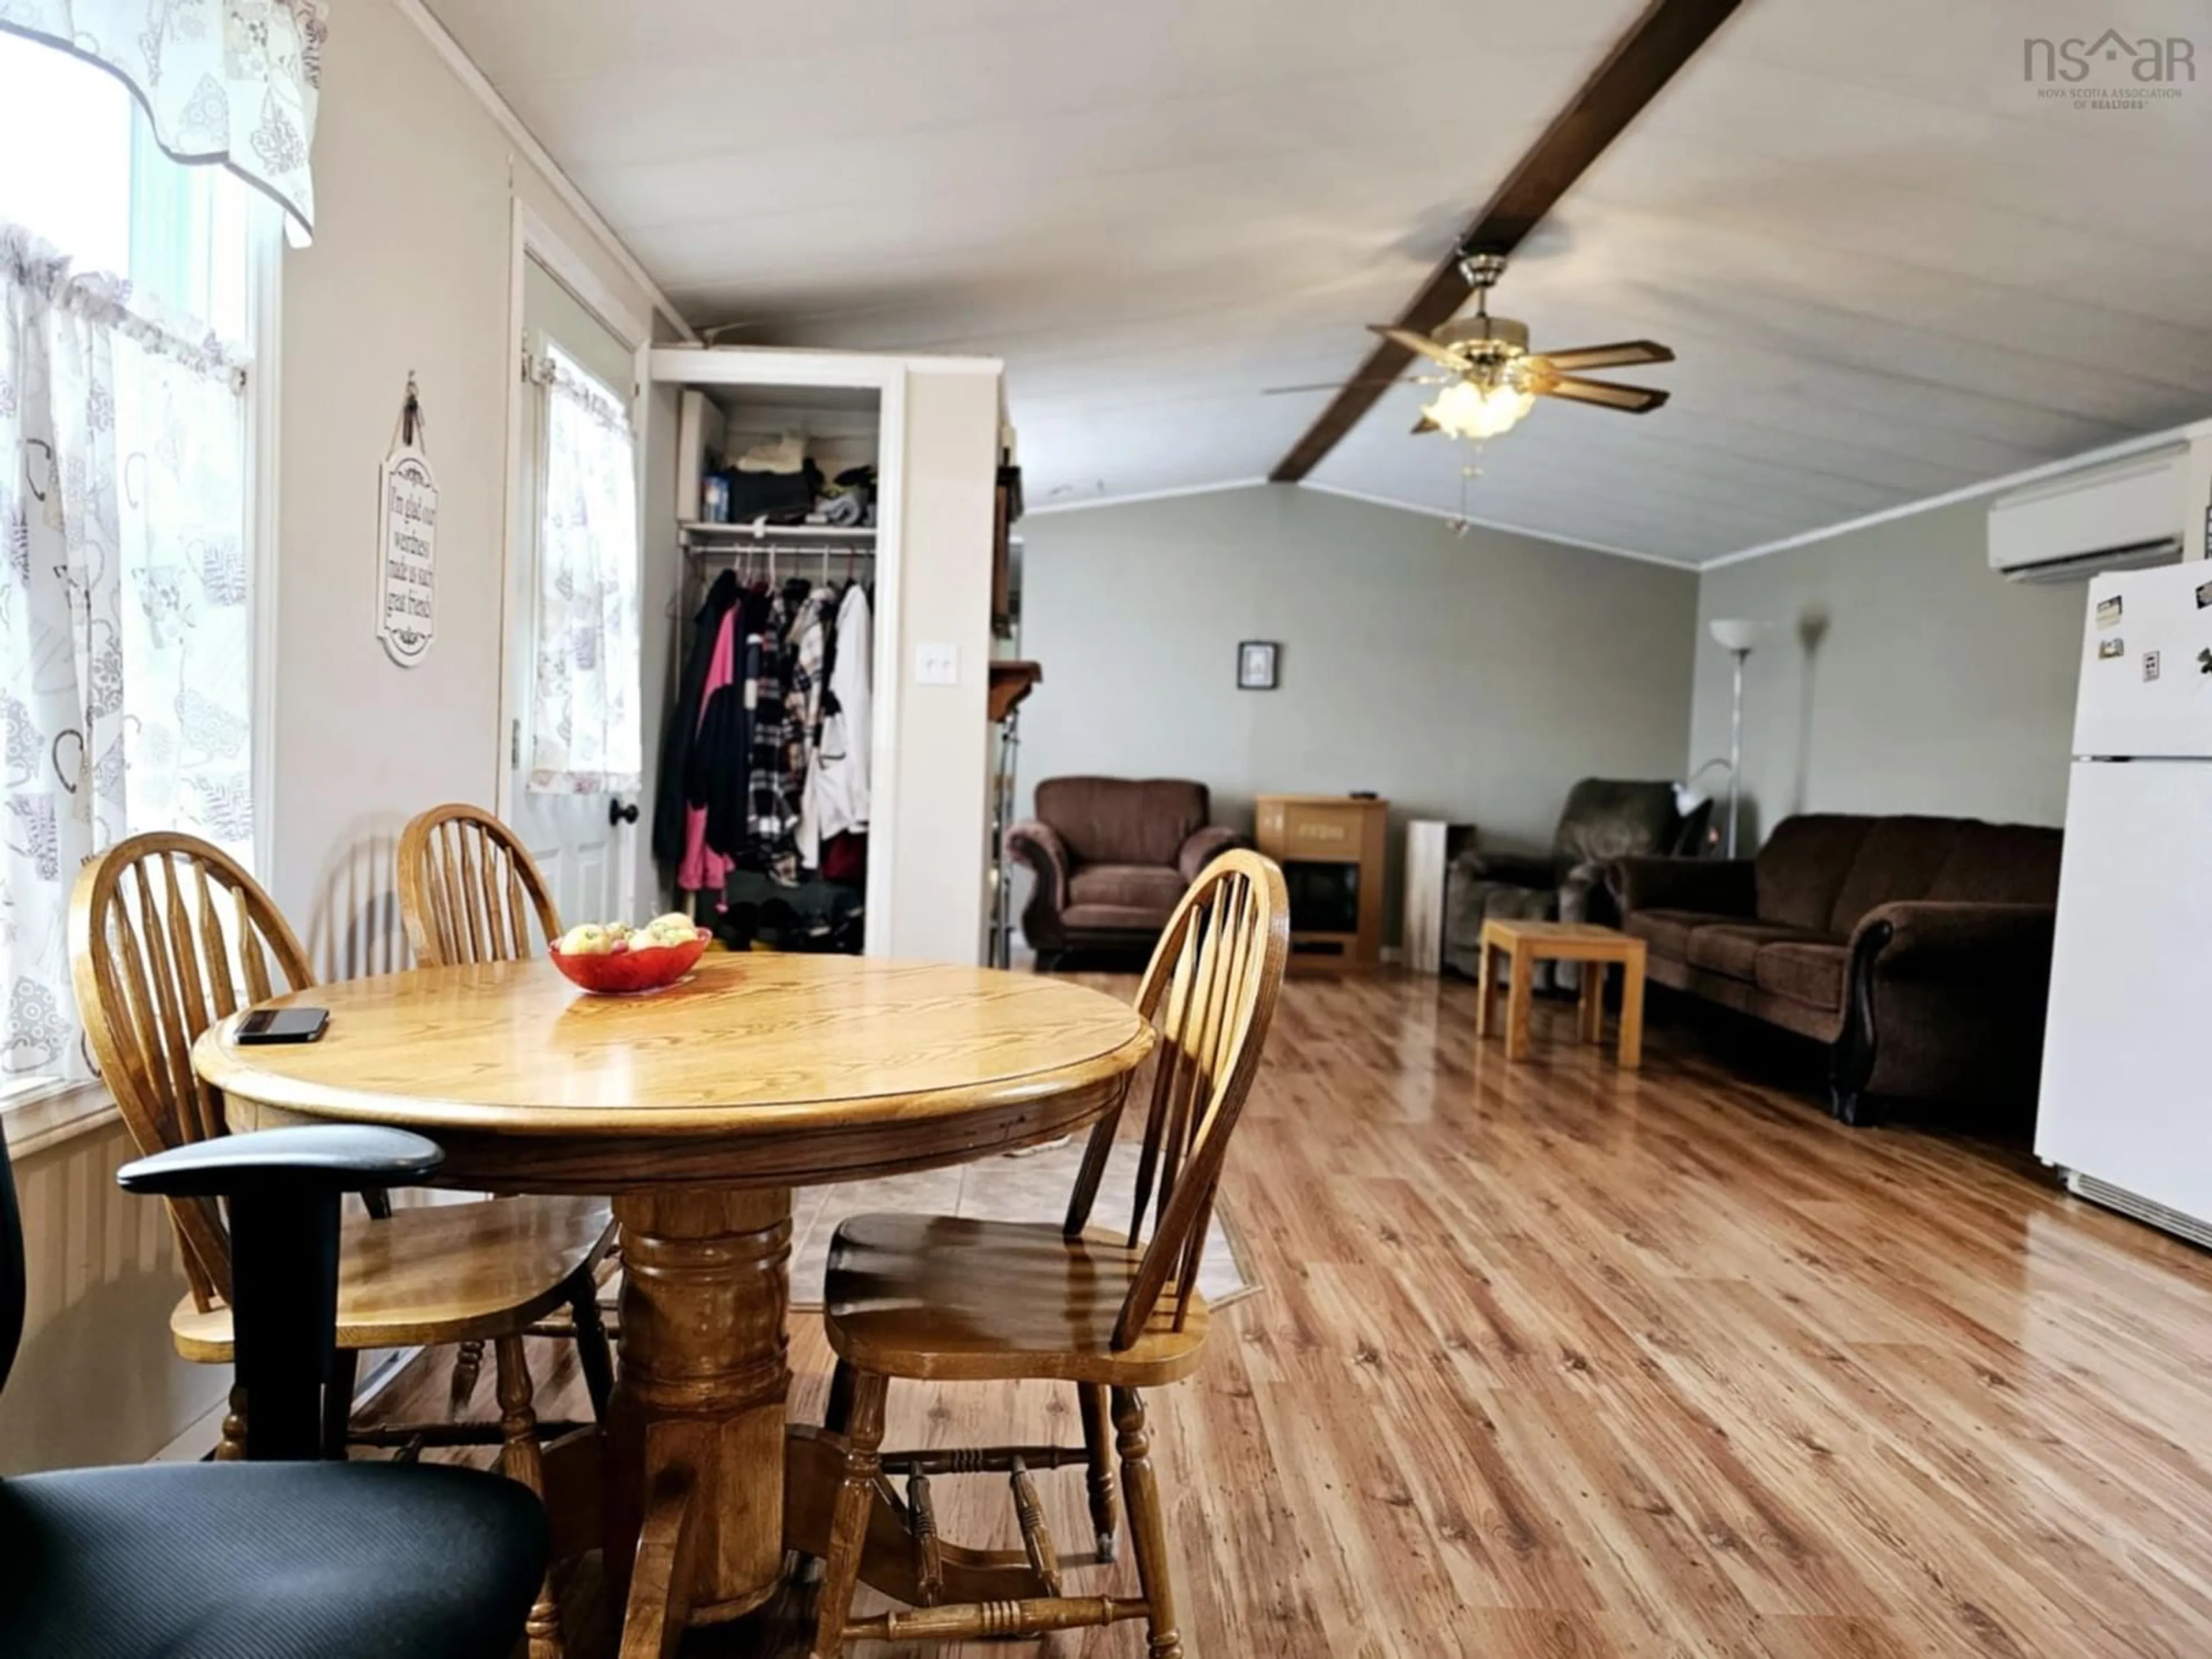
(1090, 502)
(502, 114)
(1497, 524)
(2119, 450)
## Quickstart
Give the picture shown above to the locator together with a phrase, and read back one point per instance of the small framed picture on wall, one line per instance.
(1255, 665)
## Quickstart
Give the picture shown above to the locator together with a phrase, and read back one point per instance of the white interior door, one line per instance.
(583, 842)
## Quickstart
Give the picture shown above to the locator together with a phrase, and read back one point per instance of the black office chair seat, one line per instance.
(266, 1561)
(278, 1558)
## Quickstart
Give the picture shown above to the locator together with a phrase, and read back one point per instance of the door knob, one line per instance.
(617, 814)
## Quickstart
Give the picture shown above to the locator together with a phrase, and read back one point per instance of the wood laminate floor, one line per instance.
(1553, 1359)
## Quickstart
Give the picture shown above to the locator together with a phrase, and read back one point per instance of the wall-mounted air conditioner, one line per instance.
(2121, 516)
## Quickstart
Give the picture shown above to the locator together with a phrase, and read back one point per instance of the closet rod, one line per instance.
(760, 529)
(780, 549)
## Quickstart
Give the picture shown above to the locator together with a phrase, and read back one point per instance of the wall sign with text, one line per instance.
(407, 543)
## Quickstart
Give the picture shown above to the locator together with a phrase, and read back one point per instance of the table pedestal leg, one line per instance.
(696, 1427)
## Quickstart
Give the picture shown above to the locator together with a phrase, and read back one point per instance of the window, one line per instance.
(129, 409)
(584, 718)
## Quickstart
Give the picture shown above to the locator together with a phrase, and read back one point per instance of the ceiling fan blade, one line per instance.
(1632, 399)
(1621, 354)
(1333, 386)
(1423, 345)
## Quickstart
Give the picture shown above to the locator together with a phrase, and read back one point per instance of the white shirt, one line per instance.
(838, 787)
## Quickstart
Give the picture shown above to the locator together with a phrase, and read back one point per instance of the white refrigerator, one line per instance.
(2126, 1103)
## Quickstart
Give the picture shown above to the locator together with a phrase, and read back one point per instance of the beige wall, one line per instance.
(1899, 673)
(96, 1381)
(1472, 678)
(942, 759)
(410, 271)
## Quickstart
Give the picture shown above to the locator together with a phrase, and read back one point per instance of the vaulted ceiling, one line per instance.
(1890, 268)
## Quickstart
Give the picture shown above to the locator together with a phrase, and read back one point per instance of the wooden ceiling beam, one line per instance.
(1642, 61)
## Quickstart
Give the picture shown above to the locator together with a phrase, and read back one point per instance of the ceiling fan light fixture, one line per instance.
(1470, 408)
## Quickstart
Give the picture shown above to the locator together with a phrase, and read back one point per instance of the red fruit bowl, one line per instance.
(651, 968)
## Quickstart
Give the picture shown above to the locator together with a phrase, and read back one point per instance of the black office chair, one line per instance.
(265, 1560)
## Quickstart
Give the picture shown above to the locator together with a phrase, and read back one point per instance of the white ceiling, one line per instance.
(1888, 268)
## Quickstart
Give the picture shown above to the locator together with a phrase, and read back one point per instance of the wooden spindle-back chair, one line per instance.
(468, 892)
(469, 889)
(928, 1297)
(167, 936)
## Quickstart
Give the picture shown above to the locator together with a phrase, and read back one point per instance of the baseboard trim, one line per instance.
(2149, 1211)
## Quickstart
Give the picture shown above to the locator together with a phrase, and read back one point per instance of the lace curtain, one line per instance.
(584, 713)
(125, 635)
(233, 81)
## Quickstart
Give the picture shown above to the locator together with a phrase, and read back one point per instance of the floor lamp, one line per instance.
(1737, 636)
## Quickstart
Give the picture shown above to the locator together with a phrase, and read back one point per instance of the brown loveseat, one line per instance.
(1919, 948)
(1111, 857)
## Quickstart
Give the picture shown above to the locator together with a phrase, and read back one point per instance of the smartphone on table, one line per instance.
(284, 1025)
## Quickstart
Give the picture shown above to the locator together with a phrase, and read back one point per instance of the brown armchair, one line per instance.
(1604, 819)
(1111, 858)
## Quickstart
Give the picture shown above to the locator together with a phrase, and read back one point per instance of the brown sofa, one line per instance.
(1918, 948)
(1111, 857)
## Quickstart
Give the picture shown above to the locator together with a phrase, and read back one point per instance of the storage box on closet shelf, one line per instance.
(776, 489)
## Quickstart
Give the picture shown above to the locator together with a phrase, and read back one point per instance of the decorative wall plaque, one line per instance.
(407, 543)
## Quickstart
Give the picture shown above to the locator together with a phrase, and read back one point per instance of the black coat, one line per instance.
(682, 733)
(722, 761)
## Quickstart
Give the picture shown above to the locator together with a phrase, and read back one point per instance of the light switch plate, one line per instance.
(936, 664)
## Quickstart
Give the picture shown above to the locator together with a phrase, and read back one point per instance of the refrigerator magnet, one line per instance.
(2109, 649)
(2150, 665)
(2203, 595)
(2108, 610)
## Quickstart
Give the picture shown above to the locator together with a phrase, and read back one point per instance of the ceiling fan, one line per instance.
(1493, 378)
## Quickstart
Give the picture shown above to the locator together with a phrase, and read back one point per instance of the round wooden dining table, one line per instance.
(696, 1109)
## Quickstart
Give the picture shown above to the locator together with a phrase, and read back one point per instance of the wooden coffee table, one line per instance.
(1528, 943)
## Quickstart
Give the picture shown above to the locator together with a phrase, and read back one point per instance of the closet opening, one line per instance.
(767, 789)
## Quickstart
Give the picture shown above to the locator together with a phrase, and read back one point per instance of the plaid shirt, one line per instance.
(808, 679)
(771, 806)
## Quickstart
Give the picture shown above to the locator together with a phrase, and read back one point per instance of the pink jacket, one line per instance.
(703, 869)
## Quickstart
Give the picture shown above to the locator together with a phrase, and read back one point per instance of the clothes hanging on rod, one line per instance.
(771, 812)
(710, 781)
(769, 743)
(803, 702)
(836, 802)
(678, 739)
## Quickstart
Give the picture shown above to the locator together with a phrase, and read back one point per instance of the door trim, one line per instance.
(532, 236)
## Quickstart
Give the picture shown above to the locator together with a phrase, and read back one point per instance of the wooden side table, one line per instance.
(1528, 943)
(1331, 849)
